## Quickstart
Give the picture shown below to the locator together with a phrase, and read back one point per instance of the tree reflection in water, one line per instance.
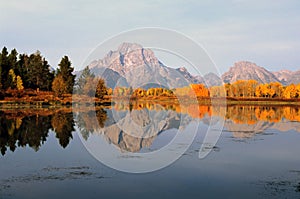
(18, 131)
(63, 125)
(21, 128)
(31, 128)
(90, 121)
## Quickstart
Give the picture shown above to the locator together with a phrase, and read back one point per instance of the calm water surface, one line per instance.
(257, 155)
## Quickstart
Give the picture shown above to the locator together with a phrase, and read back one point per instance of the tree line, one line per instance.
(238, 89)
(253, 89)
(22, 71)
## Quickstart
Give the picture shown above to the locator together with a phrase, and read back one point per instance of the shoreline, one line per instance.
(86, 102)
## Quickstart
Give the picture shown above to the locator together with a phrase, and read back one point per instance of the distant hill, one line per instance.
(245, 70)
(288, 77)
(211, 79)
(283, 75)
(133, 65)
(295, 78)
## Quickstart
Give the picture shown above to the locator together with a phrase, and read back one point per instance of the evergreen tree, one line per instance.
(39, 75)
(89, 88)
(22, 69)
(13, 59)
(85, 77)
(66, 72)
(12, 79)
(50, 76)
(4, 68)
(8, 62)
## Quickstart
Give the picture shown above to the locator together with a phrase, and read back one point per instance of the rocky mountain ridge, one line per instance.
(133, 65)
(138, 67)
(245, 70)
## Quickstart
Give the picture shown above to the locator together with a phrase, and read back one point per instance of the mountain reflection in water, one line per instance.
(132, 128)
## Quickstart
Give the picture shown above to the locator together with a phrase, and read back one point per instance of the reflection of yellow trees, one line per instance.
(139, 105)
(291, 113)
(239, 114)
(253, 114)
(194, 110)
(268, 114)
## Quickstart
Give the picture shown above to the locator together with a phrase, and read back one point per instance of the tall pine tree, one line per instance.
(22, 69)
(13, 59)
(66, 72)
(4, 68)
(12, 63)
(39, 75)
(85, 76)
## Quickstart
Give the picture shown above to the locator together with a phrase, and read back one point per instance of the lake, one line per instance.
(148, 150)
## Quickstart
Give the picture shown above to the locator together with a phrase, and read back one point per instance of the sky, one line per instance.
(265, 32)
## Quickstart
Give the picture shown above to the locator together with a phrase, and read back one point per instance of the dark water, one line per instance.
(256, 156)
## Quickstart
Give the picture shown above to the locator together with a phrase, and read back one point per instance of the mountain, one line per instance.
(283, 75)
(188, 76)
(136, 66)
(295, 78)
(287, 77)
(245, 70)
(211, 79)
(111, 77)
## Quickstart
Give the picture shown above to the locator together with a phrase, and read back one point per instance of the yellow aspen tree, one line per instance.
(19, 83)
